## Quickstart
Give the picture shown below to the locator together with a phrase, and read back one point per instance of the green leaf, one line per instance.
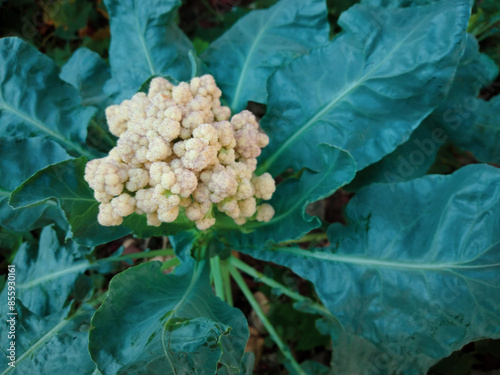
(290, 221)
(15, 164)
(145, 41)
(169, 324)
(50, 336)
(409, 161)
(64, 182)
(244, 57)
(89, 74)
(15, 168)
(418, 280)
(34, 101)
(138, 224)
(77, 200)
(483, 138)
(452, 120)
(369, 88)
(247, 365)
(53, 344)
(45, 276)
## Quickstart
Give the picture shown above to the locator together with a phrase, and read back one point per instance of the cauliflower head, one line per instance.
(179, 150)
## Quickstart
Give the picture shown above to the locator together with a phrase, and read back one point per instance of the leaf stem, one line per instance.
(259, 276)
(307, 238)
(217, 277)
(263, 318)
(170, 263)
(142, 254)
(227, 282)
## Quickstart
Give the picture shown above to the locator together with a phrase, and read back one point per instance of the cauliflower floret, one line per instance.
(196, 211)
(182, 93)
(174, 113)
(107, 216)
(145, 202)
(117, 119)
(168, 128)
(206, 133)
(226, 157)
(106, 176)
(265, 212)
(123, 205)
(222, 183)
(161, 173)
(158, 148)
(205, 223)
(102, 197)
(199, 154)
(153, 220)
(225, 134)
(178, 147)
(264, 186)
(248, 207)
(230, 207)
(160, 85)
(168, 215)
(250, 141)
(245, 190)
(222, 113)
(186, 182)
(138, 178)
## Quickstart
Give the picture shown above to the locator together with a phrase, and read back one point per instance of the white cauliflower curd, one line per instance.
(179, 150)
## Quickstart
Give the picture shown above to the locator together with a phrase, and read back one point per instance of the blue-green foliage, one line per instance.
(244, 57)
(145, 41)
(51, 333)
(174, 325)
(415, 271)
(412, 276)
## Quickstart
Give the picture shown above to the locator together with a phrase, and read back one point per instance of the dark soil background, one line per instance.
(59, 27)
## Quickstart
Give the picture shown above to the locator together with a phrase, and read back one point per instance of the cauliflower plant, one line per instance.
(179, 149)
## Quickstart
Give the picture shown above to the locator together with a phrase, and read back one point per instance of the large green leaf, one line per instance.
(51, 336)
(53, 344)
(34, 101)
(64, 182)
(45, 276)
(397, 3)
(368, 89)
(145, 41)
(290, 221)
(483, 138)
(244, 57)
(416, 271)
(452, 120)
(89, 74)
(15, 167)
(169, 324)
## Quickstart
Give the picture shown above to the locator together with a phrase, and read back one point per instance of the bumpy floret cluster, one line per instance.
(179, 150)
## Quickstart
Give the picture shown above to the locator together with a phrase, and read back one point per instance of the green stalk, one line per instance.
(307, 238)
(227, 282)
(143, 254)
(263, 318)
(259, 276)
(170, 263)
(217, 277)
